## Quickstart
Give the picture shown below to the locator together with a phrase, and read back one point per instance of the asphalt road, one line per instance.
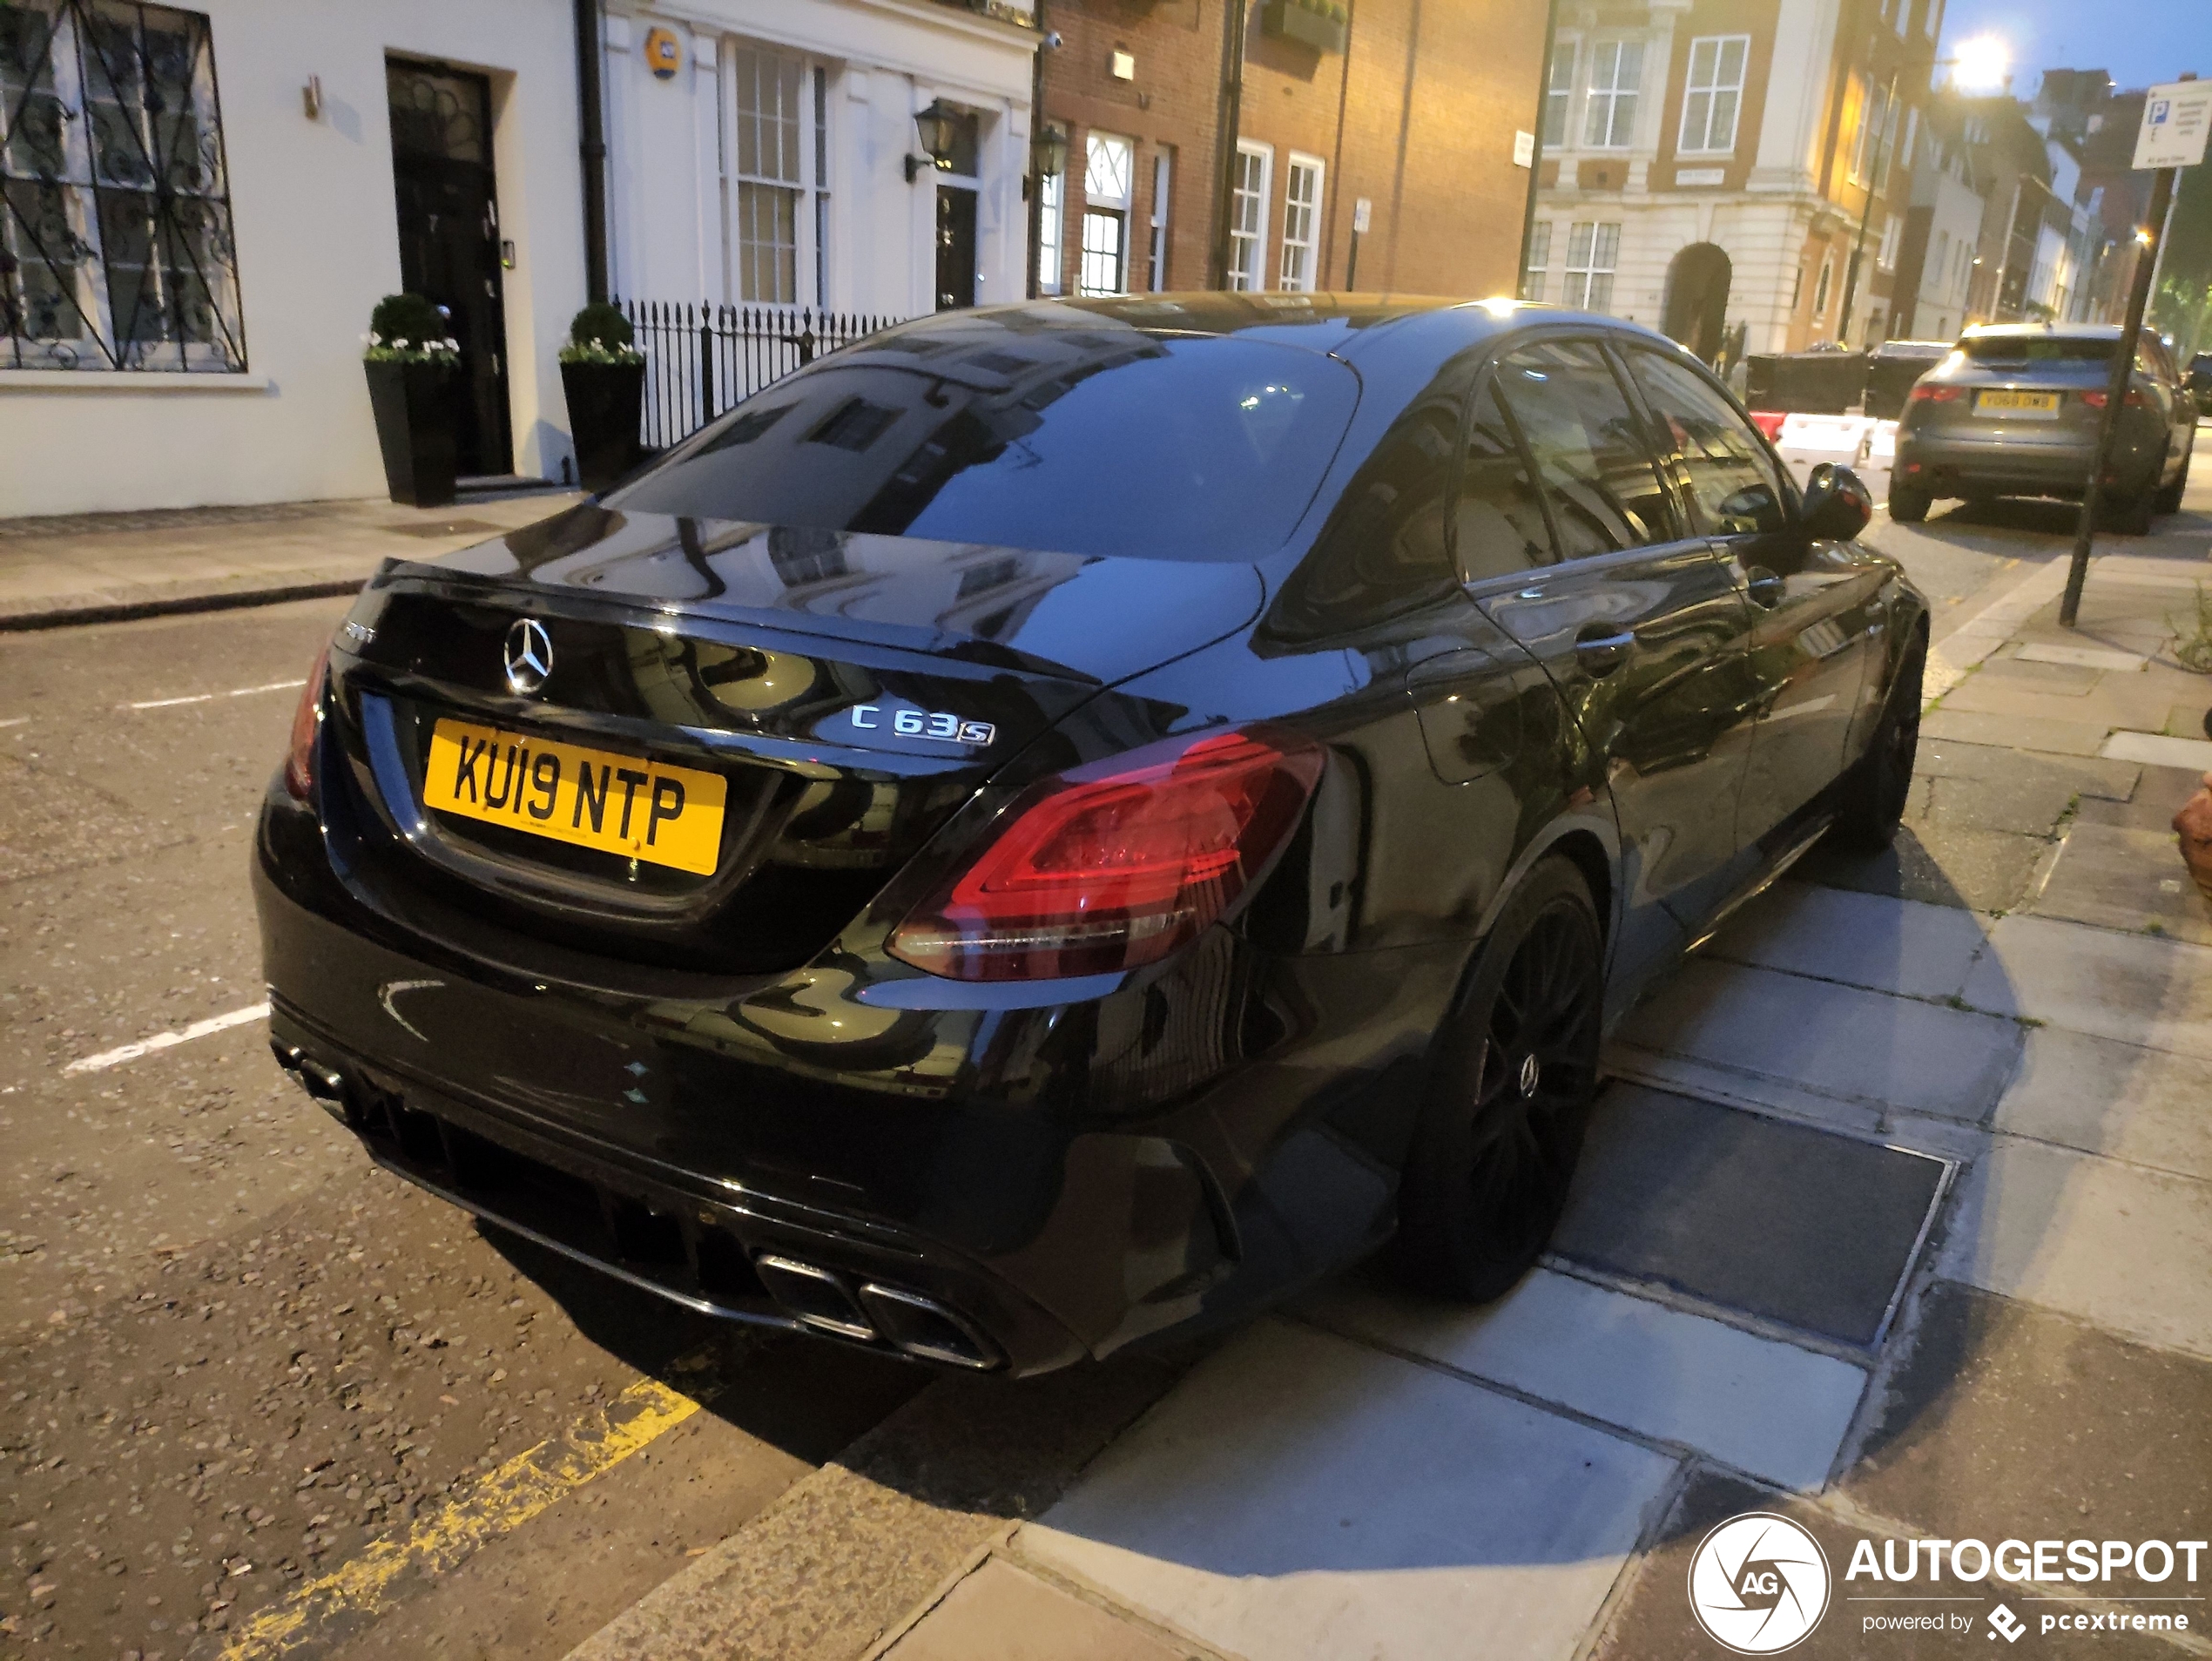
(237, 1352)
(239, 1356)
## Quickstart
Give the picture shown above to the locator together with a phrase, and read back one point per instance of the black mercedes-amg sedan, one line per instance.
(1068, 821)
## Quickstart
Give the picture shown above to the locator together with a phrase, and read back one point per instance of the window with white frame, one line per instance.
(1592, 255)
(1248, 214)
(1797, 286)
(1558, 93)
(1892, 234)
(1911, 135)
(1538, 264)
(1162, 193)
(1713, 94)
(1109, 163)
(1942, 262)
(1931, 18)
(1820, 288)
(1616, 75)
(1875, 124)
(776, 209)
(1301, 222)
(1052, 213)
(116, 245)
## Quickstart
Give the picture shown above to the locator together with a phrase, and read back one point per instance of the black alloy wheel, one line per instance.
(1510, 1096)
(1875, 790)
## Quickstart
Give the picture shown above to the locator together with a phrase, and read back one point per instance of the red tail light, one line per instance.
(1925, 394)
(299, 760)
(2137, 400)
(1118, 864)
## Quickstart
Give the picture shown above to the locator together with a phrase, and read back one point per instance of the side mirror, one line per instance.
(1837, 504)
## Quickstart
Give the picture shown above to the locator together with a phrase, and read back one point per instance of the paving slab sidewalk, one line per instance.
(101, 566)
(1988, 1056)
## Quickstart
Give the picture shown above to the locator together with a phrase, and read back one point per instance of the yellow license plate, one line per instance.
(2016, 403)
(618, 804)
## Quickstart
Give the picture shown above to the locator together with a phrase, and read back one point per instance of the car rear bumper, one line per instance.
(1009, 1188)
(2056, 466)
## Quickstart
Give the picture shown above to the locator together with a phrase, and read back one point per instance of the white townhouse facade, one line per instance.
(1715, 168)
(771, 166)
(204, 202)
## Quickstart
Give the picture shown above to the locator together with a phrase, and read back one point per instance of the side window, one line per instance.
(1384, 544)
(1732, 478)
(1498, 516)
(1604, 486)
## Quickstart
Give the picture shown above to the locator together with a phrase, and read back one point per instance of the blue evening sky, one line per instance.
(2139, 42)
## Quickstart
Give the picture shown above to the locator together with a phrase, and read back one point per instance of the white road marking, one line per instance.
(108, 1059)
(15, 720)
(209, 698)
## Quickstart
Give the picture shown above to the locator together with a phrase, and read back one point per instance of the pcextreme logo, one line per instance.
(1758, 1584)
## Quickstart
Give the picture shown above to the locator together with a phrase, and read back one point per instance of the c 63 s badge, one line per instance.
(939, 723)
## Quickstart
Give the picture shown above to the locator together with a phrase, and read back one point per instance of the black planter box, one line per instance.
(1287, 20)
(605, 401)
(414, 408)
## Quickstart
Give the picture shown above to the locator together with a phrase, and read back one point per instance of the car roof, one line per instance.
(1352, 326)
(2042, 331)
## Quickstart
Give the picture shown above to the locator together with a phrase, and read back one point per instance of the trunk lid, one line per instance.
(840, 694)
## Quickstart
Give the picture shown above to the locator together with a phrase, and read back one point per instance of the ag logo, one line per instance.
(1758, 1584)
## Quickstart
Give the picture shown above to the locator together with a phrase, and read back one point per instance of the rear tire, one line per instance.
(1874, 791)
(2169, 497)
(2131, 514)
(1909, 505)
(1509, 1097)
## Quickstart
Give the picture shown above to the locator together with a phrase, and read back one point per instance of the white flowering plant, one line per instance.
(600, 334)
(407, 329)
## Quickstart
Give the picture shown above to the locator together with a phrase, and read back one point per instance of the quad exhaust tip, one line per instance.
(822, 1298)
(916, 1326)
(326, 1084)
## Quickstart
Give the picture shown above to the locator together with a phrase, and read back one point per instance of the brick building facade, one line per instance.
(1412, 110)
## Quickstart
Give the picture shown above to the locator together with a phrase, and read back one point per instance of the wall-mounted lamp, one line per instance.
(935, 126)
(311, 97)
(1049, 152)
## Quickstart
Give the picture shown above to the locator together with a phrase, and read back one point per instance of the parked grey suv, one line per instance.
(2013, 411)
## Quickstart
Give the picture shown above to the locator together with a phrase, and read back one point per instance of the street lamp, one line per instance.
(936, 126)
(1980, 63)
(1049, 152)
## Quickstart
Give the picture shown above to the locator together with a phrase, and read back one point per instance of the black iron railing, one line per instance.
(700, 360)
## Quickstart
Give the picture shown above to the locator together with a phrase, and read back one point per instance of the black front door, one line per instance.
(1643, 630)
(449, 241)
(955, 247)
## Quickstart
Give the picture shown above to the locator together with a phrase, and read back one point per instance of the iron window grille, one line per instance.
(116, 250)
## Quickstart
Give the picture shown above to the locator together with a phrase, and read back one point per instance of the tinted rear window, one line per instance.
(2036, 348)
(1100, 442)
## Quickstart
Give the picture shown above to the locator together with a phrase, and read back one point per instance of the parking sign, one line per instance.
(2175, 120)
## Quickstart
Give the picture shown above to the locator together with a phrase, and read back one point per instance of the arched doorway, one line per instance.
(1697, 309)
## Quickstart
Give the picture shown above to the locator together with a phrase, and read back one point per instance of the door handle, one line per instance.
(1762, 585)
(1601, 650)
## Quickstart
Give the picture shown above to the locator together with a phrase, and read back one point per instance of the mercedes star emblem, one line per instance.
(529, 656)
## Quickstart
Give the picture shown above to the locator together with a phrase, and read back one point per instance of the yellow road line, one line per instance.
(501, 1502)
